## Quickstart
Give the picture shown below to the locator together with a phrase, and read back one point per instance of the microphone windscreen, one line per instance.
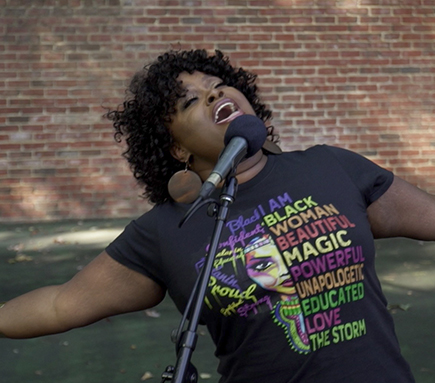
(251, 128)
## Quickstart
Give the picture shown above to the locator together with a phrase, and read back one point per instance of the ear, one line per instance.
(179, 153)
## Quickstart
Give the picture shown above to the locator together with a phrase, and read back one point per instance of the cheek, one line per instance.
(263, 279)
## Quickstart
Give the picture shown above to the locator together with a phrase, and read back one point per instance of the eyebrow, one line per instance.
(207, 79)
(260, 257)
(180, 99)
(185, 88)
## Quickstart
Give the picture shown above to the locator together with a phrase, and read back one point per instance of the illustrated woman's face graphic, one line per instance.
(266, 267)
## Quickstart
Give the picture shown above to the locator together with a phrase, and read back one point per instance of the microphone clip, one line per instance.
(227, 195)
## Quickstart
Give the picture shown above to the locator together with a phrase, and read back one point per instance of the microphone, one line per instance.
(244, 137)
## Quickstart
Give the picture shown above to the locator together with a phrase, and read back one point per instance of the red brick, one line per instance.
(367, 86)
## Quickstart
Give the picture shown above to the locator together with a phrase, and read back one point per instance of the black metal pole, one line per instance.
(187, 343)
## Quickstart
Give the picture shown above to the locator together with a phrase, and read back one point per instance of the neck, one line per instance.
(249, 168)
(246, 170)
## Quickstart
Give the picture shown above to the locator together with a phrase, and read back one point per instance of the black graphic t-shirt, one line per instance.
(293, 295)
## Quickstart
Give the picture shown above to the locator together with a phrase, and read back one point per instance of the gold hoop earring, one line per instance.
(184, 185)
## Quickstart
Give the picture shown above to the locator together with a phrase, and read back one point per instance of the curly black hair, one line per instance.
(151, 97)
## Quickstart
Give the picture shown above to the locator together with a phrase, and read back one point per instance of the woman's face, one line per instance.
(202, 118)
(266, 267)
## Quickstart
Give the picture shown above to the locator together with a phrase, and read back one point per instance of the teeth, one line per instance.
(230, 104)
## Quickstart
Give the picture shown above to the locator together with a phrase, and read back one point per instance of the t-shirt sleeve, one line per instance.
(371, 179)
(137, 248)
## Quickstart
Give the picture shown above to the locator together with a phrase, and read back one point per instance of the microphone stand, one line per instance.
(184, 371)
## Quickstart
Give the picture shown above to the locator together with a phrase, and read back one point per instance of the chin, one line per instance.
(285, 291)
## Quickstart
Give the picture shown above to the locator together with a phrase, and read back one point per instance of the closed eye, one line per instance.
(189, 102)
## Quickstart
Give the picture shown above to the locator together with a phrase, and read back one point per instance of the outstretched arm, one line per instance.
(403, 211)
(103, 288)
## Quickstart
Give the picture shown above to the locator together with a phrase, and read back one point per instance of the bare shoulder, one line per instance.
(403, 210)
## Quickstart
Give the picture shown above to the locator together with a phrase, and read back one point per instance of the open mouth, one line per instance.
(226, 111)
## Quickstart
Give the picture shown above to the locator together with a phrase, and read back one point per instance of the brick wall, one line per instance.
(354, 73)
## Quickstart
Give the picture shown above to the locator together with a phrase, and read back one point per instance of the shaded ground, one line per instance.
(124, 348)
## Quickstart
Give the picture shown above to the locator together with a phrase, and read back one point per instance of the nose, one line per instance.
(214, 95)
